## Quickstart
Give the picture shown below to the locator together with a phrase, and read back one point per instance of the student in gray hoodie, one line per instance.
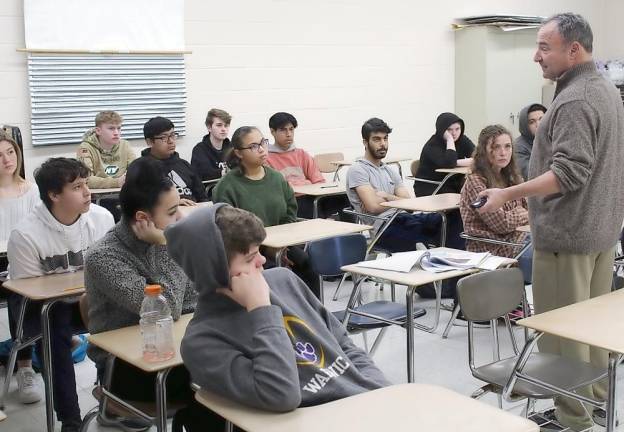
(258, 337)
(528, 121)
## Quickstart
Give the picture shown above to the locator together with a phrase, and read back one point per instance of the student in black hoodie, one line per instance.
(161, 137)
(447, 148)
(208, 159)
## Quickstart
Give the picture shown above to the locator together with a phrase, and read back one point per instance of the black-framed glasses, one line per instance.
(172, 136)
(256, 146)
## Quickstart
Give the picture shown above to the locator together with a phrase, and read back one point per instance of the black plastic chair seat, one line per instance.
(553, 369)
(383, 308)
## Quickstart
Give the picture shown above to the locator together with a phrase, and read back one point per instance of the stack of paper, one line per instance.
(435, 261)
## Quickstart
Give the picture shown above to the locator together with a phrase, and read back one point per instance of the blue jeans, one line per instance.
(407, 229)
(525, 262)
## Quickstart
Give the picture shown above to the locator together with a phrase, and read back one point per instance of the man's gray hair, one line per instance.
(573, 28)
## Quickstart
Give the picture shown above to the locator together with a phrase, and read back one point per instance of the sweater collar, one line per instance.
(124, 232)
(580, 70)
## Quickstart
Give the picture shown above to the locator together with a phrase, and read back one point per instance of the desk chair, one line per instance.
(524, 246)
(372, 247)
(414, 170)
(503, 290)
(324, 162)
(327, 256)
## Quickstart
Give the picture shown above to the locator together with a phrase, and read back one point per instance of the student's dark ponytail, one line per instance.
(231, 159)
(146, 179)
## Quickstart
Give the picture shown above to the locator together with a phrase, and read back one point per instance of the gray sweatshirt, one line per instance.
(117, 268)
(581, 139)
(279, 357)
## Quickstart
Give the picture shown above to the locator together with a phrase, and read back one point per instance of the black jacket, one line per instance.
(186, 181)
(434, 155)
(207, 161)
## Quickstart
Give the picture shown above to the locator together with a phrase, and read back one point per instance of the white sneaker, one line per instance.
(28, 388)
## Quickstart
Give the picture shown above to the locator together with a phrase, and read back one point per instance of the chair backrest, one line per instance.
(328, 255)
(83, 306)
(488, 295)
(323, 160)
(414, 167)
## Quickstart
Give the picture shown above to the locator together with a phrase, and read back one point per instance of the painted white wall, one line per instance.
(332, 63)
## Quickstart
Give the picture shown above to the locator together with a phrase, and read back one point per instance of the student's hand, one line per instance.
(448, 138)
(121, 180)
(187, 202)
(147, 232)
(250, 290)
(383, 195)
(495, 200)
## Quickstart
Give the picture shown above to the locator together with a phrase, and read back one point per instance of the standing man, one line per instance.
(576, 205)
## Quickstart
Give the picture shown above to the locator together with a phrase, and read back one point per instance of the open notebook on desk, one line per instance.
(435, 261)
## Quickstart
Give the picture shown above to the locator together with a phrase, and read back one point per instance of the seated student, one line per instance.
(107, 156)
(208, 159)
(53, 239)
(18, 197)
(161, 137)
(447, 148)
(493, 167)
(371, 182)
(298, 167)
(119, 266)
(104, 152)
(259, 337)
(263, 191)
(528, 121)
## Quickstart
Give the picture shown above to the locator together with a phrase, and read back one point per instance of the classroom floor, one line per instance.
(437, 361)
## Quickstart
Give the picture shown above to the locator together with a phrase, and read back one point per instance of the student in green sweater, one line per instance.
(252, 186)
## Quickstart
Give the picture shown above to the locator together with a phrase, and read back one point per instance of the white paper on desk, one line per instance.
(492, 262)
(400, 261)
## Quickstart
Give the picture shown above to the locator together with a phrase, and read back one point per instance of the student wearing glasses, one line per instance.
(161, 138)
(253, 186)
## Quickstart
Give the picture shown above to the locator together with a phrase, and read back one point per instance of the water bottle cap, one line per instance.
(153, 289)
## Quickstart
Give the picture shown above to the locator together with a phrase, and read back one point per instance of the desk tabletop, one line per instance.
(597, 322)
(400, 408)
(291, 234)
(390, 160)
(105, 191)
(49, 286)
(211, 181)
(320, 189)
(417, 276)
(524, 229)
(186, 210)
(432, 203)
(456, 170)
(125, 343)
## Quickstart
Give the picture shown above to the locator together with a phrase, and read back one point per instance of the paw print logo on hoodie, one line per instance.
(302, 338)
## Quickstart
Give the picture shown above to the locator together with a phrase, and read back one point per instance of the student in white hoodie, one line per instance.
(53, 239)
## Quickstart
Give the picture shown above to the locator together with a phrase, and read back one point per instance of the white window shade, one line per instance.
(67, 91)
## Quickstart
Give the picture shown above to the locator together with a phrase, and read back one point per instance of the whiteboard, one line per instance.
(102, 25)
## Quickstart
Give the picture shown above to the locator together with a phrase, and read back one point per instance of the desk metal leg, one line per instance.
(161, 400)
(47, 363)
(443, 229)
(611, 395)
(315, 204)
(409, 330)
(17, 345)
(446, 177)
(278, 257)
